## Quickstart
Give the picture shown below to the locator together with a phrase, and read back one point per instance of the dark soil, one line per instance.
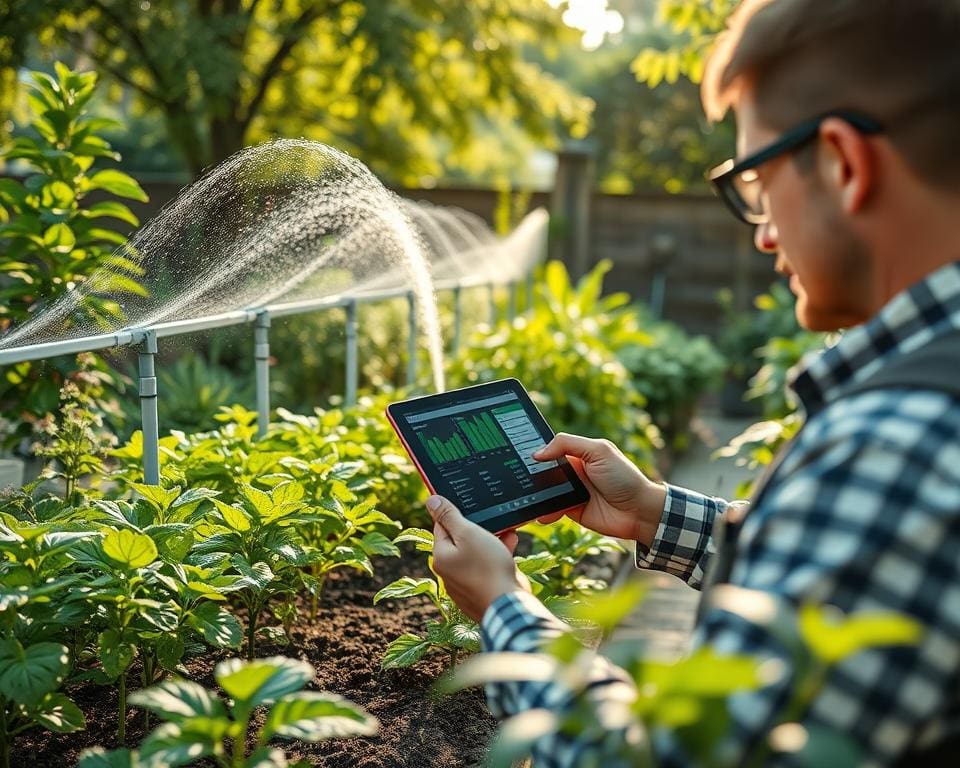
(345, 645)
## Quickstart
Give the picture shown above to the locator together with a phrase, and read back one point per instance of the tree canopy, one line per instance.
(379, 78)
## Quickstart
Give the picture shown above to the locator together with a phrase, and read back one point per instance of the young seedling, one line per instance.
(199, 724)
(453, 633)
(259, 543)
(567, 544)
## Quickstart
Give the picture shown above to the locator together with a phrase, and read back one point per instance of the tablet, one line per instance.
(474, 447)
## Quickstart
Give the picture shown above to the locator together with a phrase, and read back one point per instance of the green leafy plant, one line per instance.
(565, 351)
(555, 567)
(199, 724)
(35, 580)
(452, 633)
(257, 543)
(760, 442)
(687, 697)
(352, 445)
(693, 26)
(672, 371)
(194, 390)
(52, 240)
(74, 439)
(130, 618)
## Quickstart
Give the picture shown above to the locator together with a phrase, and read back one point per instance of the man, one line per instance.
(848, 117)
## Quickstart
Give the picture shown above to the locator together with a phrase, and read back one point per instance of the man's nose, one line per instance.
(765, 237)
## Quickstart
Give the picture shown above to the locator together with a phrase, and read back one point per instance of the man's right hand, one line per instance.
(623, 501)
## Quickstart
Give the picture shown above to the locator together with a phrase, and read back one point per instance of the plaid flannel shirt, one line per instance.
(864, 514)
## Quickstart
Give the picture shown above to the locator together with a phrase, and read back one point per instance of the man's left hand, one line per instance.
(476, 566)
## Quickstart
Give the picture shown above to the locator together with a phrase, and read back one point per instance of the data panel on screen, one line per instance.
(475, 447)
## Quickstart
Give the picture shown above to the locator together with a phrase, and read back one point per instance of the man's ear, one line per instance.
(847, 163)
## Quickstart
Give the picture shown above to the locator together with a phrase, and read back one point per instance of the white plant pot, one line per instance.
(11, 473)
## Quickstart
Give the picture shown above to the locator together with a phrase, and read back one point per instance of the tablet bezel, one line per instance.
(509, 520)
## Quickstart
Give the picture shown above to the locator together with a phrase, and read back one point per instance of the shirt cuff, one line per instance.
(517, 621)
(683, 543)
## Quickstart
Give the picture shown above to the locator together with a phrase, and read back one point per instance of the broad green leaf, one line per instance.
(312, 716)
(162, 615)
(218, 626)
(181, 743)
(60, 238)
(418, 536)
(702, 674)
(375, 543)
(118, 183)
(263, 680)
(536, 564)
(129, 549)
(28, 674)
(834, 638)
(100, 758)
(465, 636)
(59, 714)
(407, 587)
(500, 668)
(257, 576)
(159, 497)
(287, 493)
(406, 650)
(608, 609)
(170, 650)
(235, 518)
(260, 501)
(114, 210)
(176, 699)
(116, 654)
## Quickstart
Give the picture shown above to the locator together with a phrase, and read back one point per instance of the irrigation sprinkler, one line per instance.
(261, 356)
(146, 338)
(353, 361)
(150, 422)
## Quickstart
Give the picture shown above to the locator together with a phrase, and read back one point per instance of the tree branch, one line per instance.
(77, 42)
(274, 66)
(133, 34)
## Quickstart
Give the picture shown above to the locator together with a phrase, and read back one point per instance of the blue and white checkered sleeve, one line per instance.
(683, 543)
(520, 623)
(866, 518)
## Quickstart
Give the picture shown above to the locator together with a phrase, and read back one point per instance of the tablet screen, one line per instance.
(474, 446)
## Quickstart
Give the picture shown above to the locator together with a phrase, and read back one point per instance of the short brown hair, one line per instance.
(895, 60)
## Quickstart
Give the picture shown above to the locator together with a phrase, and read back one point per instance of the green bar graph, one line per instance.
(441, 451)
(482, 432)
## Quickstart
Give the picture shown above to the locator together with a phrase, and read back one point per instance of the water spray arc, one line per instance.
(285, 229)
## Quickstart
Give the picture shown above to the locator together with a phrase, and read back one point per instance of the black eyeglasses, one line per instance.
(738, 182)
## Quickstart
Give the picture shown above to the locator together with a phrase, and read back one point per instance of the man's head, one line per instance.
(856, 215)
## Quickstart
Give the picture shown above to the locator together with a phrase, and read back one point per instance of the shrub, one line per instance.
(672, 371)
(52, 240)
(565, 352)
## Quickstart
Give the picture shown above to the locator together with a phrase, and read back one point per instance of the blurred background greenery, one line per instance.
(425, 92)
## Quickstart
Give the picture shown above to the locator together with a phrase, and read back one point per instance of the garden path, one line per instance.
(664, 621)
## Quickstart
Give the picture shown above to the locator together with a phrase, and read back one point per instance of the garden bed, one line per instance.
(345, 646)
